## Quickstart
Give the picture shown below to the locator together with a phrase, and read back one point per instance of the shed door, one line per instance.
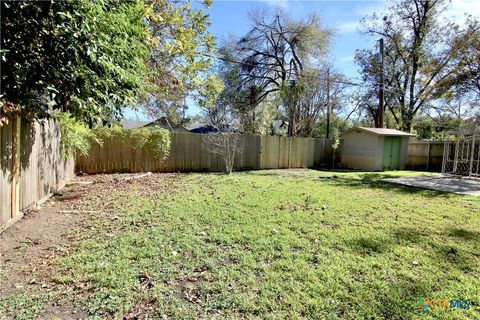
(391, 153)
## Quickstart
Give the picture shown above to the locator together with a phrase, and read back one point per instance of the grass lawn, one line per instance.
(272, 244)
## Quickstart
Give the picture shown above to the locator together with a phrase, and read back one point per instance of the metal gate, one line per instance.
(461, 155)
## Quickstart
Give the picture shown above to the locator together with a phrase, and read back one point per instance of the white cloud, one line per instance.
(277, 3)
(458, 9)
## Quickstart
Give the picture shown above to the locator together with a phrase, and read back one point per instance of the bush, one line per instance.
(155, 140)
(78, 138)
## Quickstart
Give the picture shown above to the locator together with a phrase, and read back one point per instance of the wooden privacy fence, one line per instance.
(192, 152)
(31, 168)
(425, 156)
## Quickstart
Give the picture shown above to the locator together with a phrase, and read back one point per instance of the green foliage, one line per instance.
(336, 124)
(21, 305)
(76, 137)
(434, 129)
(211, 86)
(84, 57)
(155, 140)
(182, 44)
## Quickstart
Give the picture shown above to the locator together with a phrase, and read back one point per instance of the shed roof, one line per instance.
(381, 131)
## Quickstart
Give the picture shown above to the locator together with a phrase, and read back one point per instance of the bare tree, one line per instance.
(225, 144)
(274, 55)
(306, 100)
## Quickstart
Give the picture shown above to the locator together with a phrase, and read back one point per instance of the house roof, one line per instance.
(204, 129)
(381, 132)
(163, 122)
(132, 124)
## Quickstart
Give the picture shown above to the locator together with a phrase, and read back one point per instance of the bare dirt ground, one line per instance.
(29, 248)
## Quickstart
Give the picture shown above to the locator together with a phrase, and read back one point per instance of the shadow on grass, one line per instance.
(455, 256)
(385, 243)
(442, 254)
(374, 180)
(464, 234)
(408, 235)
(370, 246)
(359, 179)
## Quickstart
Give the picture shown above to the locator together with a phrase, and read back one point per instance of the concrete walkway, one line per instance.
(446, 183)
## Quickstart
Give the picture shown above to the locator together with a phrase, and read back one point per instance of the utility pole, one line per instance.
(381, 93)
(328, 102)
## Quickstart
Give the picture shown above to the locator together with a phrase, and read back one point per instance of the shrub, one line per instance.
(75, 136)
(78, 138)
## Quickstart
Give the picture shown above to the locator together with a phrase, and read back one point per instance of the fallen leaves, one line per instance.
(146, 281)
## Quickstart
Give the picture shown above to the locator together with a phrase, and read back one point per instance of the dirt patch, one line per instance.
(29, 248)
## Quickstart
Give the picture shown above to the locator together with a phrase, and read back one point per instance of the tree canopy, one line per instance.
(84, 57)
(92, 58)
(180, 59)
(420, 55)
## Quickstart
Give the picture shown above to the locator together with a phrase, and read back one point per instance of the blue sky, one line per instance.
(342, 17)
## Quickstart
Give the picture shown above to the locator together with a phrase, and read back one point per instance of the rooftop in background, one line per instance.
(132, 124)
(163, 122)
(381, 131)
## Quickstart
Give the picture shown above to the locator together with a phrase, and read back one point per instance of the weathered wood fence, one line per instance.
(192, 152)
(425, 156)
(31, 168)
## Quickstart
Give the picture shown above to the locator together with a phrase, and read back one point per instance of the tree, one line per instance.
(318, 93)
(84, 57)
(274, 55)
(323, 97)
(225, 144)
(465, 78)
(180, 58)
(234, 106)
(420, 54)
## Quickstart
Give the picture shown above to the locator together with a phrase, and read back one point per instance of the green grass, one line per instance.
(22, 304)
(279, 244)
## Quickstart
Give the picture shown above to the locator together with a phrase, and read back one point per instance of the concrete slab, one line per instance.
(446, 183)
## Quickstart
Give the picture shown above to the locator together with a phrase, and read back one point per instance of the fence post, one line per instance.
(428, 155)
(15, 194)
(289, 146)
(470, 170)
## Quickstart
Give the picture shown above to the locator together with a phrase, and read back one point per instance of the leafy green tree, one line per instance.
(465, 78)
(337, 123)
(180, 58)
(84, 57)
(220, 106)
(420, 54)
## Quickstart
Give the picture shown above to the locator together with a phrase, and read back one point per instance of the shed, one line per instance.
(374, 149)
